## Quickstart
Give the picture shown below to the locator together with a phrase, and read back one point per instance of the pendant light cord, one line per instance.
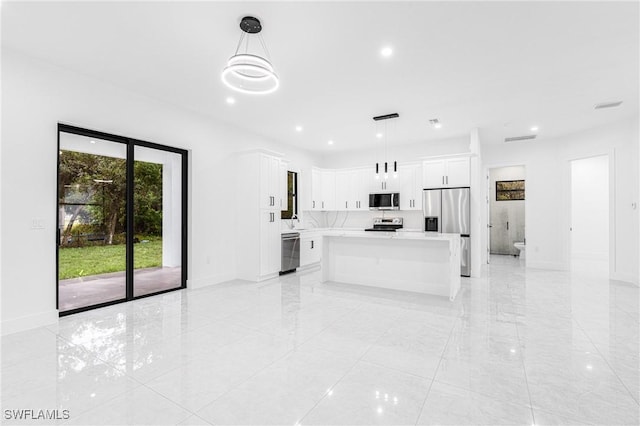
(240, 42)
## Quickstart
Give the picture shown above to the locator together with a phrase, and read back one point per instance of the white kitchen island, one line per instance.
(408, 261)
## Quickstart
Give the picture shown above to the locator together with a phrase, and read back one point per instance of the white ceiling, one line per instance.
(499, 66)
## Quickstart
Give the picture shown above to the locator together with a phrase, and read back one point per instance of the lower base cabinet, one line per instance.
(310, 249)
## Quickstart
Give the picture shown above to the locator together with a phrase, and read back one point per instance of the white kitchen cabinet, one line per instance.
(310, 249)
(316, 189)
(446, 173)
(323, 187)
(410, 176)
(362, 180)
(344, 189)
(458, 172)
(352, 189)
(259, 185)
(270, 182)
(270, 241)
(328, 201)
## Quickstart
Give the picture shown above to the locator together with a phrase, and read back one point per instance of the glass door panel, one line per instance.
(92, 249)
(157, 212)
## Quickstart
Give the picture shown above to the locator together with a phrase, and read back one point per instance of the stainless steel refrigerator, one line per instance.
(448, 210)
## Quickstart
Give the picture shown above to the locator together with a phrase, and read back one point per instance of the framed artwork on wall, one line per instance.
(509, 190)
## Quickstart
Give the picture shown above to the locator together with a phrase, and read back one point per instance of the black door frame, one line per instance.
(131, 143)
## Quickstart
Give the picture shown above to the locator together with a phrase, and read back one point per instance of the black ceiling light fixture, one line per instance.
(249, 72)
(385, 118)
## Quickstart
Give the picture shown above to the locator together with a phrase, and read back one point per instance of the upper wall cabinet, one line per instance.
(352, 189)
(446, 173)
(410, 177)
(270, 182)
(323, 189)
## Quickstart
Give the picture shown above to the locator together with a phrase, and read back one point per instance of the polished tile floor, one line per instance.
(517, 347)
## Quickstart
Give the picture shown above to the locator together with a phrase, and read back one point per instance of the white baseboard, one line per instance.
(629, 278)
(28, 322)
(555, 266)
(211, 280)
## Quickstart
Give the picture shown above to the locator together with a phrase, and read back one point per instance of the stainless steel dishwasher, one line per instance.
(290, 257)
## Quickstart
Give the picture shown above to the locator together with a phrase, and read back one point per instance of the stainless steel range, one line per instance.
(386, 224)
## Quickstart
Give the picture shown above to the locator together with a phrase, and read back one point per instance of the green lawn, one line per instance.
(77, 262)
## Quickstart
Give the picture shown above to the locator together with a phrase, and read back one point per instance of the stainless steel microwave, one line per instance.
(384, 201)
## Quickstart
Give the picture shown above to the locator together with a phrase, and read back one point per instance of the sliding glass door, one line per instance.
(121, 219)
(92, 203)
(157, 201)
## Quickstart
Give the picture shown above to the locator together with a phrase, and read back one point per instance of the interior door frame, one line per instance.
(611, 157)
(130, 143)
(486, 169)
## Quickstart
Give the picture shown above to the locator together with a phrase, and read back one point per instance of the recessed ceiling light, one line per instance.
(386, 51)
(534, 129)
(92, 141)
(298, 128)
(330, 142)
(379, 135)
(231, 100)
(435, 123)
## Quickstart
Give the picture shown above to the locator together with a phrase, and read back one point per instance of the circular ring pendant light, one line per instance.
(247, 72)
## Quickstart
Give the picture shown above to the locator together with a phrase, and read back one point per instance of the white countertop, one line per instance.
(430, 236)
(404, 234)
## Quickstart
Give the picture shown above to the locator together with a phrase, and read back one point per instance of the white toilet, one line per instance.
(520, 245)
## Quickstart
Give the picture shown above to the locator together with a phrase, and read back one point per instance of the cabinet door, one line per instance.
(275, 244)
(328, 201)
(266, 242)
(407, 179)
(458, 172)
(433, 174)
(316, 190)
(274, 182)
(316, 249)
(417, 186)
(362, 188)
(343, 190)
(265, 189)
(305, 251)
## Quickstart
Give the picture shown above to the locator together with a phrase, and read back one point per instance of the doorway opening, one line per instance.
(589, 228)
(506, 212)
(121, 219)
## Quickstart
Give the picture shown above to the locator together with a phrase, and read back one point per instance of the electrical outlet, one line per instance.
(37, 223)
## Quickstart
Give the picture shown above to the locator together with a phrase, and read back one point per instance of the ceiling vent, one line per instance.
(608, 105)
(520, 138)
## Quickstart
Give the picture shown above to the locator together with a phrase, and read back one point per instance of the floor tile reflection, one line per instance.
(517, 346)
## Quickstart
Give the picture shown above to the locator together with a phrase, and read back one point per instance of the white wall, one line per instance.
(35, 97)
(401, 154)
(548, 189)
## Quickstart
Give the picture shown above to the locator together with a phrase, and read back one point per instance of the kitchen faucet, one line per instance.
(291, 224)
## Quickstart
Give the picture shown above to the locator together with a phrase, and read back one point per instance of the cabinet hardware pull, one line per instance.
(443, 180)
(313, 206)
(345, 204)
(312, 244)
